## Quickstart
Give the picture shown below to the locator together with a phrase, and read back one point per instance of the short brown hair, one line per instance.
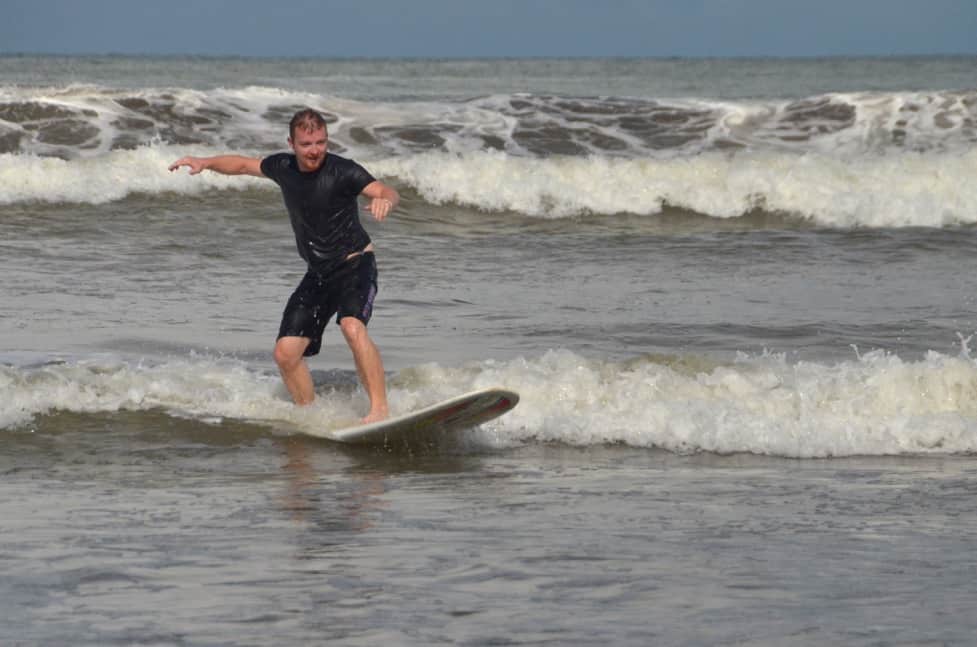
(307, 119)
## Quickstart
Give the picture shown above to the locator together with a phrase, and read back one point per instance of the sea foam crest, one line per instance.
(84, 120)
(910, 189)
(916, 189)
(106, 178)
(874, 404)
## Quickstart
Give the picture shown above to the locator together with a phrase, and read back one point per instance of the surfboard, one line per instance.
(426, 425)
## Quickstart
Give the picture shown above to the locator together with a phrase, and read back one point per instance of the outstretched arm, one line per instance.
(383, 199)
(224, 164)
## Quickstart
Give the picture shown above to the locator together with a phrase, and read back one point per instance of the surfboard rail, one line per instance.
(455, 414)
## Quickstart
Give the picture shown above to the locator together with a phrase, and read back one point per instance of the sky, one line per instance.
(490, 28)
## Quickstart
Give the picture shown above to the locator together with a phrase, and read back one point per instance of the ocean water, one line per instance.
(736, 297)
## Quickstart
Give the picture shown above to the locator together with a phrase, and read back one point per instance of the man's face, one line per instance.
(309, 147)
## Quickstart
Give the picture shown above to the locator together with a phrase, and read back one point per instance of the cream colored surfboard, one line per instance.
(457, 414)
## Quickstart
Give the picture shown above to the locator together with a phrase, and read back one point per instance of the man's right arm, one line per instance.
(224, 164)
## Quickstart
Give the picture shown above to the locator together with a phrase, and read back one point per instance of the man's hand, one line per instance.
(196, 164)
(383, 199)
(380, 207)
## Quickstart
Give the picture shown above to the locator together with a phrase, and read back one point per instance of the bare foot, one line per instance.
(375, 416)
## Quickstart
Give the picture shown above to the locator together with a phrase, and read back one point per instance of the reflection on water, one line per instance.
(335, 492)
(348, 501)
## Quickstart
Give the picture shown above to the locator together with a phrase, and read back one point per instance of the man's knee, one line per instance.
(289, 351)
(353, 329)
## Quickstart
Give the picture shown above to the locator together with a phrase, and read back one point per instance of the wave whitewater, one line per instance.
(929, 190)
(87, 120)
(916, 189)
(874, 404)
(855, 159)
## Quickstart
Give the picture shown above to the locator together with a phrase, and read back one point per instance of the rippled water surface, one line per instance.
(735, 298)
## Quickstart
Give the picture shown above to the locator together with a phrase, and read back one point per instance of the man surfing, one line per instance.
(320, 192)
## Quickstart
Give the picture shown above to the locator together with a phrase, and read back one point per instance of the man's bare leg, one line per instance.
(369, 366)
(295, 372)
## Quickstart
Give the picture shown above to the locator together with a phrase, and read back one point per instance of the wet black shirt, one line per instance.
(322, 207)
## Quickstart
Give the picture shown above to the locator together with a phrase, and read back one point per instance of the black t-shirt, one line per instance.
(322, 206)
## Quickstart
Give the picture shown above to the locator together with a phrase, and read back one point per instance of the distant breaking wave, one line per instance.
(838, 160)
(932, 189)
(85, 120)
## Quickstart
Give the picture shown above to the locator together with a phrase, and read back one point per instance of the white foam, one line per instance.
(905, 158)
(109, 177)
(852, 123)
(234, 115)
(910, 189)
(875, 404)
(200, 387)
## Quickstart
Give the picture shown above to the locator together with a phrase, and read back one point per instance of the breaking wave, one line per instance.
(873, 404)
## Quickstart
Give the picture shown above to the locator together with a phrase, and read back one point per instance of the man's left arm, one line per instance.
(383, 199)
